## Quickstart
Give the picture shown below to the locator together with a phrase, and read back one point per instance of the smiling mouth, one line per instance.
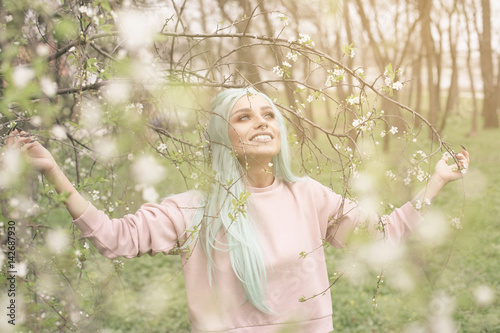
(261, 138)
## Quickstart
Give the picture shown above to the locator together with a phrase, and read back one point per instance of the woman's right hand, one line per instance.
(37, 155)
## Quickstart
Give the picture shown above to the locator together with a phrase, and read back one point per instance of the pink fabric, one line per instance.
(291, 218)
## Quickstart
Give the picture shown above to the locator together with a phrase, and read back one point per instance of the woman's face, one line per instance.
(253, 130)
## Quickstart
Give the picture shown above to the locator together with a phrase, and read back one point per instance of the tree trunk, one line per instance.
(425, 7)
(453, 89)
(490, 100)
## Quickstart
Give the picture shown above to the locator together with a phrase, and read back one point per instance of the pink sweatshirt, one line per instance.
(292, 218)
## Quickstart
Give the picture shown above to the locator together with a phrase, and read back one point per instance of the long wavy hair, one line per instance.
(223, 212)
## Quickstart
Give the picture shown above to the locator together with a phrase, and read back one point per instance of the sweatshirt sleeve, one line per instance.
(345, 216)
(152, 229)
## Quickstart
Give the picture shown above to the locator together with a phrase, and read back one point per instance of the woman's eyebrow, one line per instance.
(266, 107)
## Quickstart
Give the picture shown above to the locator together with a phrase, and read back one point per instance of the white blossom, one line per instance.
(484, 295)
(162, 147)
(147, 170)
(397, 85)
(456, 223)
(149, 194)
(352, 100)
(49, 87)
(22, 76)
(86, 10)
(292, 56)
(282, 18)
(59, 132)
(138, 107)
(278, 70)
(57, 240)
(390, 174)
(393, 130)
(42, 50)
(305, 39)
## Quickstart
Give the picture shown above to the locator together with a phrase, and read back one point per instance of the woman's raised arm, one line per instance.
(443, 174)
(43, 161)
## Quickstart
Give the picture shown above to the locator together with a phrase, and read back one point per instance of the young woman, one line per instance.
(241, 258)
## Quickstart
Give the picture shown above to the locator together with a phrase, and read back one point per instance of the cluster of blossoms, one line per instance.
(91, 13)
(161, 147)
(422, 154)
(79, 258)
(364, 123)
(118, 263)
(305, 39)
(334, 76)
(278, 70)
(349, 50)
(382, 223)
(360, 72)
(283, 18)
(390, 174)
(456, 223)
(95, 195)
(354, 100)
(393, 131)
(137, 106)
(416, 171)
(389, 77)
(419, 204)
(292, 56)
(283, 71)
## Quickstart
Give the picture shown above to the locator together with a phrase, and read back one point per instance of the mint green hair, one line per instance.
(221, 217)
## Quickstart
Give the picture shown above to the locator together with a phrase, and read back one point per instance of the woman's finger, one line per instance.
(29, 145)
(11, 137)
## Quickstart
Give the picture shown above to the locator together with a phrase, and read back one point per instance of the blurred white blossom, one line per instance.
(49, 87)
(147, 170)
(22, 76)
(484, 295)
(59, 132)
(117, 92)
(57, 240)
(149, 194)
(136, 29)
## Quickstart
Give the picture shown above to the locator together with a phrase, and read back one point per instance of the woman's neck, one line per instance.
(258, 175)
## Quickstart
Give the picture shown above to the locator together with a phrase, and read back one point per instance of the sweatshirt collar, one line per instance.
(269, 188)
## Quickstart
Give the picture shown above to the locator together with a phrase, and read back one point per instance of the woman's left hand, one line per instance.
(448, 173)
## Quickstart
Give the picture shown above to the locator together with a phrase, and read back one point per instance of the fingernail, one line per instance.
(463, 148)
(11, 129)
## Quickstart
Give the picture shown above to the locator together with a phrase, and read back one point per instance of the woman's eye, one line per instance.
(269, 115)
(245, 117)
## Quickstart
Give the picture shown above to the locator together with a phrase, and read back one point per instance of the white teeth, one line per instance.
(262, 138)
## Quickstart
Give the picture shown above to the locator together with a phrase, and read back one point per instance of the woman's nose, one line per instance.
(260, 122)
